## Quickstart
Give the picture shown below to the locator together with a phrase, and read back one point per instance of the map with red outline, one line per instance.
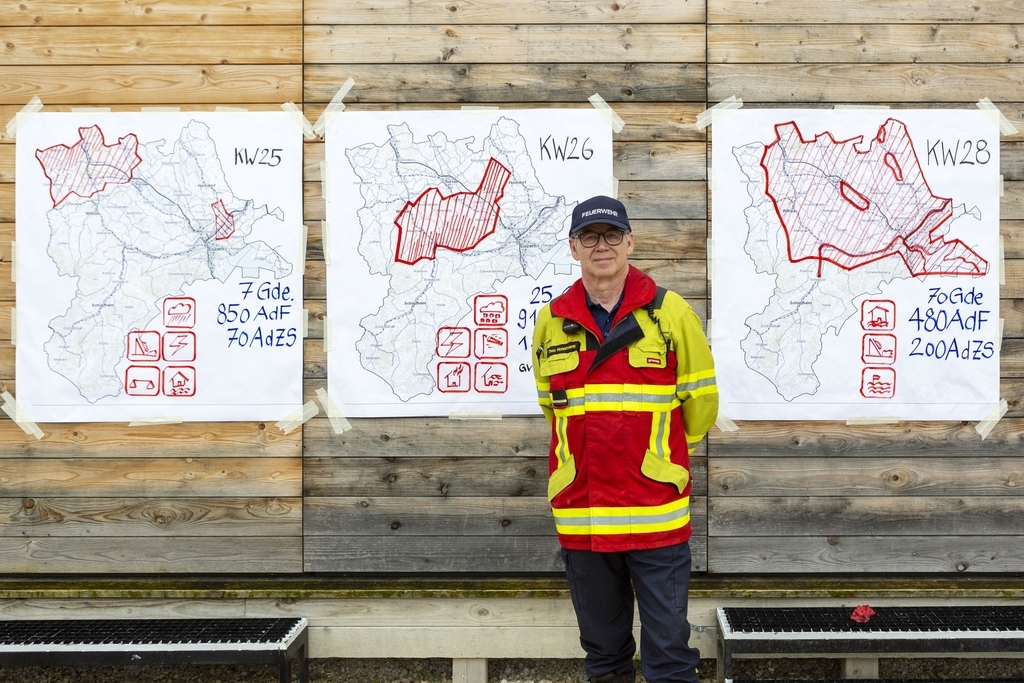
(850, 207)
(88, 166)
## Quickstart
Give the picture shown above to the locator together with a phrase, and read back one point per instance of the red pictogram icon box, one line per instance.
(453, 342)
(179, 312)
(453, 378)
(491, 378)
(490, 343)
(179, 380)
(878, 349)
(143, 345)
(490, 310)
(179, 347)
(142, 380)
(878, 383)
(878, 315)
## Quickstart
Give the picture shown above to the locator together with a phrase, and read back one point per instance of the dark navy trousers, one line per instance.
(602, 586)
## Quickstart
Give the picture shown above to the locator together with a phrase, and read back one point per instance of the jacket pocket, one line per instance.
(663, 470)
(566, 362)
(562, 477)
(648, 353)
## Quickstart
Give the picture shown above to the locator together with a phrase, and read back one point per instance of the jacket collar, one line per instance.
(637, 293)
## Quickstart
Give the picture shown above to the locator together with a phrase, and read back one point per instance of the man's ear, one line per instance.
(572, 248)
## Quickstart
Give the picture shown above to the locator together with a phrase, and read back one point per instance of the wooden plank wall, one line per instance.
(418, 494)
(913, 497)
(435, 495)
(106, 498)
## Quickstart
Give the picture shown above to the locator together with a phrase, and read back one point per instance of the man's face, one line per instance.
(601, 260)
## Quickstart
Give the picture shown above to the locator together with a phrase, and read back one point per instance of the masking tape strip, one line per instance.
(15, 412)
(1002, 261)
(90, 110)
(472, 415)
(709, 330)
(335, 106)
(338, 421)
(1002, 188)
(873, 420)
(1005, 127)
(712, 114)
(305, 323)
(324, 189)
(711, 179)
(711, 259)
(300, 120)
(325, 241)
(19, 119)
(615, 187)
(299, 417)
(479, 107)
(988, 423)
(14, 327)
(161, 110)
(303, 243)
(14, 261)
(157, 420)
(861, 107)
(327, 334)
(614, 119)
(230, 109)
(999, 338)
(725, 424)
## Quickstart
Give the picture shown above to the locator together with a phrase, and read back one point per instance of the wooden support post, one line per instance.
(469, 671)
(860, 667)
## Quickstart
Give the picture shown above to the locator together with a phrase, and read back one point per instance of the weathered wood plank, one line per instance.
(1011, 358)
(865, 11)
(187, 440)
(503, 43)
(835, 440)
(866, 83)
(631, 161)
(1011, 206)
(314, 283)
(7, 206)
(687, 278)
(864, 516)
(170, 85)
(122, 608)
(147, 12)
(461, 12)
(388, 517)
(684, 199)
(865, 43)
(433, 477)
(140, 517)
(146, 477)
(865, 554)
(888, 476)
(498, 11)
(215, 555)
(38, 46)
(489, 554)
(498, 83)
(7, 164)
(1012, 313)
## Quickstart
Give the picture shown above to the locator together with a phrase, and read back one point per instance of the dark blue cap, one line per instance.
(599, 209)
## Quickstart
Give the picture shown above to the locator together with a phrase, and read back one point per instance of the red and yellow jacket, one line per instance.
(625, 413)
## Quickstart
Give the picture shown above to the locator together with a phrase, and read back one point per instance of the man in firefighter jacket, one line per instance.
(625, 377)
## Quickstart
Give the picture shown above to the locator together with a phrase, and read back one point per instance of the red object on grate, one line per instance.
(862, 614)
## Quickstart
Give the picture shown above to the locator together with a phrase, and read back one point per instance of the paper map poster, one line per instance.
(158, 266)
(856, 264)
(447, 234)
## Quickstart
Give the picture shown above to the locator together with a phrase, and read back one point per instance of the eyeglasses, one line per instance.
(612, 238)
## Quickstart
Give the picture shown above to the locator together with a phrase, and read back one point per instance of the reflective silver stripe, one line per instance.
(630, 397)
(562, 449)
(623, 520)
(659, 445)
(690, 386)
(543, 395)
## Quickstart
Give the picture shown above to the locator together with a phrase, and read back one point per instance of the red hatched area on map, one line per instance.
(88, 166)
(848, 206)
(458, 222)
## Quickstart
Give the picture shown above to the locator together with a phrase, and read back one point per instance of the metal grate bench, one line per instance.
(829, 631)
(113, 642)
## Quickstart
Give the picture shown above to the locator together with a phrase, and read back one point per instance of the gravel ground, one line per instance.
(503, 671)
